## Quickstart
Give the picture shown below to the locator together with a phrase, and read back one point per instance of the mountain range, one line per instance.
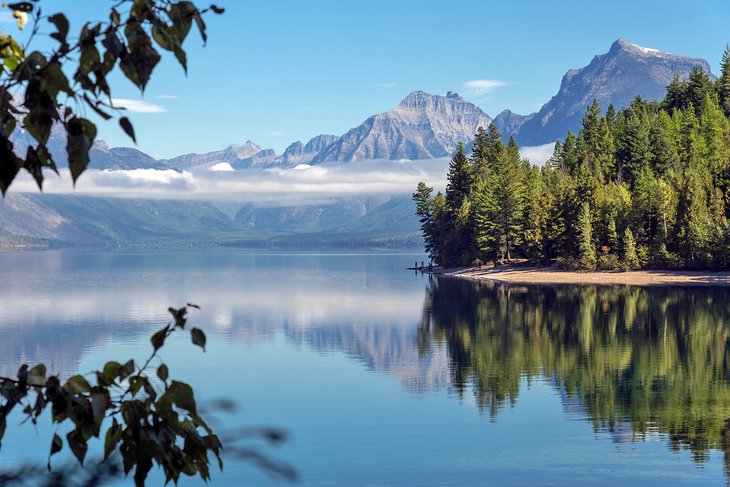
(422, 126)
(425, 126)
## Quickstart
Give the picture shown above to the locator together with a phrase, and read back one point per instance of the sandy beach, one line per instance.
(551, 275)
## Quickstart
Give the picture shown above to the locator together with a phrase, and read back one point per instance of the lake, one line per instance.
(383, 376)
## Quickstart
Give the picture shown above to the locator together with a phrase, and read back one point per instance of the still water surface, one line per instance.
(386, 377)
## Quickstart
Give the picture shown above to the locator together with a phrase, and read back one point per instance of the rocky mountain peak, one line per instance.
(616, 77)
(422, 126)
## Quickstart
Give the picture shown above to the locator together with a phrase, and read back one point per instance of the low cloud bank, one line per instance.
(303, 184)
(538, 154)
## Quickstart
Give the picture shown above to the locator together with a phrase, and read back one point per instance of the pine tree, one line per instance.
(500, 204)
(425, 212)
(723, 82)
(676, 97)
(487, 151)
(488, 234)
(587, 253)
(691, 143)
(713, 126)
(699, 85)
(629, 258)
(611, 115)
(570, 153)
(693, 219)
(459, 180)
(556, 161)
(634, 149)
(661, 147)
(611, 235)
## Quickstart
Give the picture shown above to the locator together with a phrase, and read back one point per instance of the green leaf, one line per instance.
(81, 134)
(181, 14)
(162, 372)
(23, 374)
(127, 127)
(181, 395)
(89, 60)
(77, 443)
(99, 404)
(126, 370)
(37, 375)
(181, 58)
(77, 385)
(11, 53)
(56, 446)
(54, 80)
(10, 164)
(113, 435)
(158, 339)
(198, 337)
(180, 316)
(111, 372)
(201, 26)
(162, 34)
(61, 23)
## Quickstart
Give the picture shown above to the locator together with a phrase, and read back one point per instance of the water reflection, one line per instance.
(638, 362)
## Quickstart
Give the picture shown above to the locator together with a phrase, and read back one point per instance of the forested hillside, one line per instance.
(646, 187)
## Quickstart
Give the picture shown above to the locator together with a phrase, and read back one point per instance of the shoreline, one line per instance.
(553, 275)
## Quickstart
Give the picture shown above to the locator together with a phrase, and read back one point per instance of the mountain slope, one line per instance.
(230, 155)
(422, 126)
(509, 123)
(298, 153)
(616, 77)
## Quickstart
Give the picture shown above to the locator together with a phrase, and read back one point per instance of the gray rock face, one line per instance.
(616, 77)
(231, 155)
(422, 126)
(121, 158)
(509, 123)
(263, 158)
(298, 153)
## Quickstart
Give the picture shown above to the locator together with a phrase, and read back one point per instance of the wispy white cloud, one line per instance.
(303, 184)
(481, 87)
(138, 106)
(385, 85)
(166, 97)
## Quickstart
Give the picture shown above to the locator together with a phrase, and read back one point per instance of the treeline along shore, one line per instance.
(643, 188)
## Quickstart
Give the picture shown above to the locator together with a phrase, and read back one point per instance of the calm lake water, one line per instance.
(385, 377)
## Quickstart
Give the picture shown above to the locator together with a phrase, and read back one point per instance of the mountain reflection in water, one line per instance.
(640, 364)
(638, 361)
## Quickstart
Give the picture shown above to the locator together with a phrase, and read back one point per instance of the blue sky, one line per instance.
(276, 71)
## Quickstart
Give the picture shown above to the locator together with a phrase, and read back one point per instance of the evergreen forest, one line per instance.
(644, 187)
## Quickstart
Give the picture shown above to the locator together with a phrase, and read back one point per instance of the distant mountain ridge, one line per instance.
(617, 77)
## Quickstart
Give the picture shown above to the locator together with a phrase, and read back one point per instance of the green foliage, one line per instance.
(629, 256)
(59, 85)
(652, 359)
(723, 82)
(587, 253)
(661, 169)
(149, 422)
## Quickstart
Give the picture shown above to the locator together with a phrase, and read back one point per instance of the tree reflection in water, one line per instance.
(656, 359)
